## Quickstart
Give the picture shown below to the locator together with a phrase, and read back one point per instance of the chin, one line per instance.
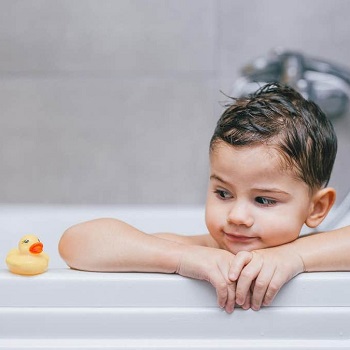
(236, 248)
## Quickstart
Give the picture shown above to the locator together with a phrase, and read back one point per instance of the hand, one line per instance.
(212, 265)
(266, 271)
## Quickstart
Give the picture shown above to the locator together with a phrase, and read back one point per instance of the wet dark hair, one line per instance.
(278, 116)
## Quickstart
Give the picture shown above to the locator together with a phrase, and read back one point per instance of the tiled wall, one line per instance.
(114, 101)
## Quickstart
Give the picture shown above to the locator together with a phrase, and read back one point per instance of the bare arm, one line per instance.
(325, 251)
(201, 240)
(113, 245)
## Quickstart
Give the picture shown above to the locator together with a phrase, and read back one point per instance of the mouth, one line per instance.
(232, 237)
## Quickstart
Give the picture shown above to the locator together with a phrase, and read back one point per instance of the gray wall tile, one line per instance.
(105, 140)
(106, 35)
(108, 101)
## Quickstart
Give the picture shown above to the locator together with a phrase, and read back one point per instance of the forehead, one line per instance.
(260, 159)
(224, 151)
(254, 168)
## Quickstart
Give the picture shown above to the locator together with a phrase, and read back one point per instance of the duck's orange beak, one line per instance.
(36, 248)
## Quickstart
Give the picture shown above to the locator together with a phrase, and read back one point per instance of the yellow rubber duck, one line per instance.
(29, 258)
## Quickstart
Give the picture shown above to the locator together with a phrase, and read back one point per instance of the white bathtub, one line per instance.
(66, 309)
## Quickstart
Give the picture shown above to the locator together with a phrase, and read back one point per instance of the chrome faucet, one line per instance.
(327, 84)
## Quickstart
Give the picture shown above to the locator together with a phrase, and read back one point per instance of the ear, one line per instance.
(321, 204)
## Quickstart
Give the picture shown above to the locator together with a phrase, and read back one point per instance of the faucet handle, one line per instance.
(326, 84)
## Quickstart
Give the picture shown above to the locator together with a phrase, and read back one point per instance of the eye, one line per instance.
(26, 241)
(222, 194)
(265, 201)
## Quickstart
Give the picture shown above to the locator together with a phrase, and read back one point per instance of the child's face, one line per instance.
(252, 203)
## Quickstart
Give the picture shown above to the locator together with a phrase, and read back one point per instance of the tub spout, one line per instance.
(325, 83)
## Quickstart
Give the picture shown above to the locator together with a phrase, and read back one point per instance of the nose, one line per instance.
(240, 214)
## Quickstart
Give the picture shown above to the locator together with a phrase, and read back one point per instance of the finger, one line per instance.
(231, 297)
(277, 281)
(246, 304)
(220, 286)
(246, 278)
(261, 286)
(241, 259)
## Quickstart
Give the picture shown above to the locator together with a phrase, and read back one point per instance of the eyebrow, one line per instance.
(216, 177)
(266, 190)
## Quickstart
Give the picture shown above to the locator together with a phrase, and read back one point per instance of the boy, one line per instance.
(271, 157)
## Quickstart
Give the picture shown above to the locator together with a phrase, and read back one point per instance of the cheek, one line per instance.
(213, 220)
(281, 231)
(281, 226)
(208, 218)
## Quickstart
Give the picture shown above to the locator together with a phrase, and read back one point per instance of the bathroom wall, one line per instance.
(114, 102)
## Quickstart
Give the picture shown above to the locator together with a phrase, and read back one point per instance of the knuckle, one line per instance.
(260, 285)
(221, 286)
(247, 274)
(267, 299)
(273, 288)
(269, 296)
(240, 295)
(243, 254)
(257, 257)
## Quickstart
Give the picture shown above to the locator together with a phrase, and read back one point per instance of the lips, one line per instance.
(238, 238)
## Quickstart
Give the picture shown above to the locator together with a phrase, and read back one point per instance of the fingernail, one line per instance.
(239, 302)
(255, 307)
(229, 311)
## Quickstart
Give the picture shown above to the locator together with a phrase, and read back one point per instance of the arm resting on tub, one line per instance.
(325, 251)
(114, 246)
(111, 245)
(271, 268)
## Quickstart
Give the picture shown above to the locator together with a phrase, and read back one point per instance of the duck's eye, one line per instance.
(26, 241)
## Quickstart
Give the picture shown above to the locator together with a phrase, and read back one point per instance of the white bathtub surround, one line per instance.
(68, 309)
